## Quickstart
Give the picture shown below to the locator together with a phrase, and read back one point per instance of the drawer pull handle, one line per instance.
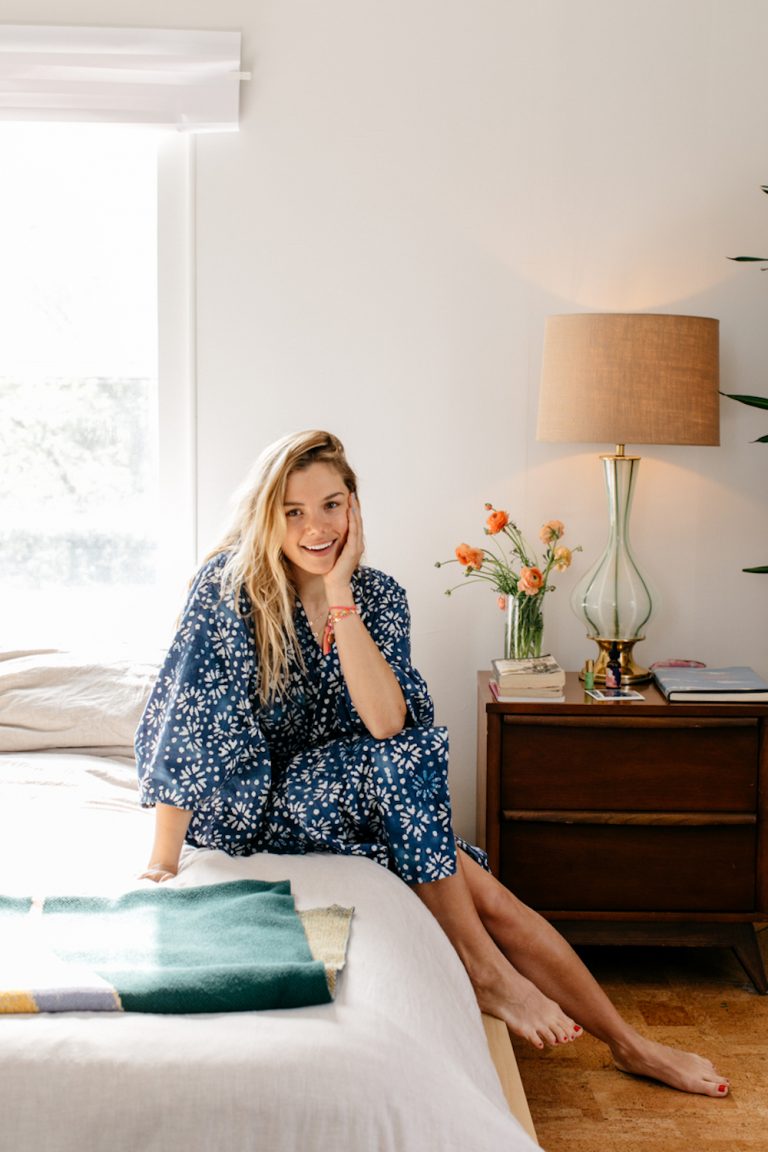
(644, 722)
(659, 819)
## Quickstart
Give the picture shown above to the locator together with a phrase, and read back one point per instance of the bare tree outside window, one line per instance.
(78, 473)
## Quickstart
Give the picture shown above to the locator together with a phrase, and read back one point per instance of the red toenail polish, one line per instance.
(721, 1088)
(577, 1028)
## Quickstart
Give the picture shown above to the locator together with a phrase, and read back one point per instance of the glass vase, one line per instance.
(523, 627)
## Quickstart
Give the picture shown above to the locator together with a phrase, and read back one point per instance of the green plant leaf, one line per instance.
(761, 440)
(753, 401)
(760, 568)
(743, 258)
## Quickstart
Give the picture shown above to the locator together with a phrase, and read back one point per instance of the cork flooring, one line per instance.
(694, 998)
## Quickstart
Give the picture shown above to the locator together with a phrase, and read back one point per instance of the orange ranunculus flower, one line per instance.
(551, 531)
(563, 557)
(530, 581)
(497, 520)
(502, 603)
(469, 557)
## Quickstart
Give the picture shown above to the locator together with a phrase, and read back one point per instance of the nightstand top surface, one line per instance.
(652, 704)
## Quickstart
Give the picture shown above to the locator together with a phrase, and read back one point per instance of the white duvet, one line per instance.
(397, 1062)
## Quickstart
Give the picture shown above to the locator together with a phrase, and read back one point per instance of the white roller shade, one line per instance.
(182, 79)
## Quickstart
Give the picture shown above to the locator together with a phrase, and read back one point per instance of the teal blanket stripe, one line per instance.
(229, 947)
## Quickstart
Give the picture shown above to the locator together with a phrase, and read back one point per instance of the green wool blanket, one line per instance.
(231, 947)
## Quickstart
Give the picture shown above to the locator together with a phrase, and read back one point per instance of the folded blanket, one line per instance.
(229, 947)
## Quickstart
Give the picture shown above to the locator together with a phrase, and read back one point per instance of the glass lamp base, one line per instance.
(631, 673)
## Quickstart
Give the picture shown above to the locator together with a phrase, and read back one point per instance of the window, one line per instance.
(97, 414)
(95, 538)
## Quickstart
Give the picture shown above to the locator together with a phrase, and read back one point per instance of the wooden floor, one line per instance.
(698, 999)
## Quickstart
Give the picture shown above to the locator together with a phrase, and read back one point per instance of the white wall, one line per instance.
(416, 185)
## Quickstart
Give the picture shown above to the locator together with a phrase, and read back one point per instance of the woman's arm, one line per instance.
(174, 776)
(372, 684)
(170, 829)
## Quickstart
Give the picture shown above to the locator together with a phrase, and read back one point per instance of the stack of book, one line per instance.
(540, 679)
(738, 685)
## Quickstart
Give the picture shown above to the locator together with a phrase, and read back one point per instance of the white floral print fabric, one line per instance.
(302, 775)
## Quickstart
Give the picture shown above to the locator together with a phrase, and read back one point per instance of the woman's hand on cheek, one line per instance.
(351, 554)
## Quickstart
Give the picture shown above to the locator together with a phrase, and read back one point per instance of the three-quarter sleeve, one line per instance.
(199, 745)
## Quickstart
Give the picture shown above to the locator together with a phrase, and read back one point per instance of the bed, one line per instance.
(400, 1059)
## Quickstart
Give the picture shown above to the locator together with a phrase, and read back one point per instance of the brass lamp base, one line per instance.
(631, 673)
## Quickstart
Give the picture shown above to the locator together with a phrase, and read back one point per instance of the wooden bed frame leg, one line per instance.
(503, 1057)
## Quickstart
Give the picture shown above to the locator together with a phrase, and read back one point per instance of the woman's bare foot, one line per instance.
(683, 1070)
(524, 1009)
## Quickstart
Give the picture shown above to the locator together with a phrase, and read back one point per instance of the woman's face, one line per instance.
(316, 503)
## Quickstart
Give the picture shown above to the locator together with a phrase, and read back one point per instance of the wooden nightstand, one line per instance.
(634, 823)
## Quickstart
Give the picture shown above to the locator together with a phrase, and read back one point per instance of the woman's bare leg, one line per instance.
(539, 952)
(500, 989)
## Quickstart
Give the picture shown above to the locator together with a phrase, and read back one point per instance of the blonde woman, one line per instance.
(288, 718)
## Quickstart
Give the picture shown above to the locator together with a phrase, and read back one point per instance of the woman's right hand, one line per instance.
(170, 828)
(158, 873)
(337, 581)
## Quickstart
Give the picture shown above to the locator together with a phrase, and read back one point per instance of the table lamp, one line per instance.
(626, 378)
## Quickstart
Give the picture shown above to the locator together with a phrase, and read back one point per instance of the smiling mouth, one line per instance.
(319, 549)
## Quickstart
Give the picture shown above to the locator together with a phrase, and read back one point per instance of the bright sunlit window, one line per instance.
(80, 502)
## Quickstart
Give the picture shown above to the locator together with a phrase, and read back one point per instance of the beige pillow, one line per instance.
(51, 699)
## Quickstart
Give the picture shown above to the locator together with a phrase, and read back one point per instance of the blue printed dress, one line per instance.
(302, 775)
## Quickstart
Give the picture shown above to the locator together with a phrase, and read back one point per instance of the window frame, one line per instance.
(177, 376)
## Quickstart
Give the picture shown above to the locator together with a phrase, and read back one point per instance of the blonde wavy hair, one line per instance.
(254, 543)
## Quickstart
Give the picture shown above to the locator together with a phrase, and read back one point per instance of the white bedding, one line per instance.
(398, 1062)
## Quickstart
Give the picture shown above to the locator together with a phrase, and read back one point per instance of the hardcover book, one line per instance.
(537, 672)
(527, 695)
(732, 685)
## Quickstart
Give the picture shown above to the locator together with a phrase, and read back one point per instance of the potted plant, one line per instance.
(753, 401)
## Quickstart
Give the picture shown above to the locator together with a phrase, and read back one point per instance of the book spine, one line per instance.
(665, 691)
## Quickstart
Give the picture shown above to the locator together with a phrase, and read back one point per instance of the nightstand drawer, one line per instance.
(625, 763)
(629, 868)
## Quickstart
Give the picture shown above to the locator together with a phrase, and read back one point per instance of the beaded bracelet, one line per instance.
(336, 612)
